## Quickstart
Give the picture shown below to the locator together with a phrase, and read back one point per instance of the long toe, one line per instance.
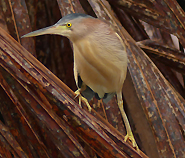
(86, 102)
(81, 98)
(77, 92)
(131, 138)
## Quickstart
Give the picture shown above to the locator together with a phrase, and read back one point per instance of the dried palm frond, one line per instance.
(39, 114)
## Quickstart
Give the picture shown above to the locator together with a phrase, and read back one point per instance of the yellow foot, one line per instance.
(81, 98)
(131, 137)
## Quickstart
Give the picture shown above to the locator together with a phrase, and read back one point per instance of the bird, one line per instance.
(100, 59)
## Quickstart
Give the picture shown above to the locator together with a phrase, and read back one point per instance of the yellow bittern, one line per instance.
(100, 59)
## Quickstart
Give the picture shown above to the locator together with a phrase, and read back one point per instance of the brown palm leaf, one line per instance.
(39, 114)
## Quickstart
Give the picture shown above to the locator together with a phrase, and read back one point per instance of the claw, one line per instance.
(77, 92)
(131, 138)
(81, 98)
(128, 129)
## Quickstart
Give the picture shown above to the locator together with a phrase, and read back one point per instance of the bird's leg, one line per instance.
(125, 119)
(81, 98)
(77, 92)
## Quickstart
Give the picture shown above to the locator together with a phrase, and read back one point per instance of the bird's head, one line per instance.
(70, 26)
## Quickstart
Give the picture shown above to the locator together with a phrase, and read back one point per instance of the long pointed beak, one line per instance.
(54, 29)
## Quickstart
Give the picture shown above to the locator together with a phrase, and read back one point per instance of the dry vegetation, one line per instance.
(39, 116)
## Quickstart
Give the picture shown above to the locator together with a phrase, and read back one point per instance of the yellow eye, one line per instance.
(68, 25)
